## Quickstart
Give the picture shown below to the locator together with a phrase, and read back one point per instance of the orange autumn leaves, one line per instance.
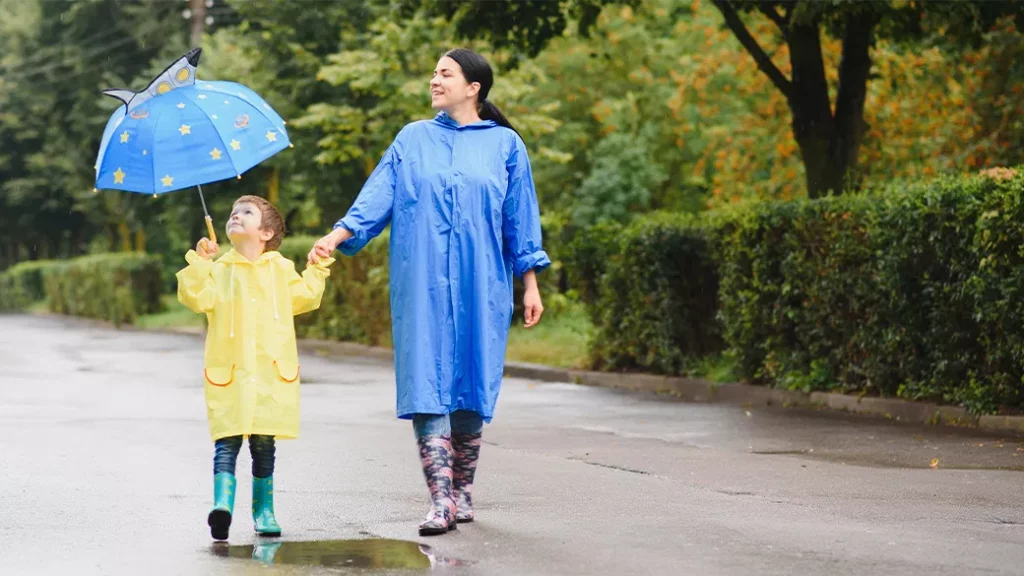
(925, 111)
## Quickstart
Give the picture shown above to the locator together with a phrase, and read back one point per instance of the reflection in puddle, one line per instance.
(370, 553)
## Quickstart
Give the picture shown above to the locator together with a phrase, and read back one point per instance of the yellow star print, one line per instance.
(167, 180)
(119, 176)
(215, 154)
(271, 137)
(185, 129)
(124, 137)
(236, 145)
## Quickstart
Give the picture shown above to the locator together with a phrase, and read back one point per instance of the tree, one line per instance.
(828, 130)
(57, 56)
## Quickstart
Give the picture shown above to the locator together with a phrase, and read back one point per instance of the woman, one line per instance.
(458, 192)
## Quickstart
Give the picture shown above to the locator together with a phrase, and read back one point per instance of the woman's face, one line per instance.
(448, 87)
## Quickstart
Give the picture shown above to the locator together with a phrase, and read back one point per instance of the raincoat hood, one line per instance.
(445, 120)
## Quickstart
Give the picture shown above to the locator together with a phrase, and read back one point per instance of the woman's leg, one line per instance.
(467, 435)
(225, 454)
(262, 449)
(434, 437)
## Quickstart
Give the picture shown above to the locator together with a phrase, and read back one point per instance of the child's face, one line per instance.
(244, 224)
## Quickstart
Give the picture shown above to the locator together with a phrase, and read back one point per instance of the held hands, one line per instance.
(207, 248)
(326, 245)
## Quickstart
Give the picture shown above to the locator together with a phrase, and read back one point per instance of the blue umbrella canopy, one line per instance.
(181, 132)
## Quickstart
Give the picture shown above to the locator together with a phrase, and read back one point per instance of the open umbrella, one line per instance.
(181, 132)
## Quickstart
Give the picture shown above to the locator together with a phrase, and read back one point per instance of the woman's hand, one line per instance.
(533, 308)
(327, 245)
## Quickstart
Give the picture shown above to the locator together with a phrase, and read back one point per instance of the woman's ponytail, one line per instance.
(488, 111)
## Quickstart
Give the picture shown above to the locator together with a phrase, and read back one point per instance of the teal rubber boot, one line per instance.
(263, 507)
(223, 505)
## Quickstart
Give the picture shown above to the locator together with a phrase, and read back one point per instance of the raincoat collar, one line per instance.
(445, 120)
(233, 257)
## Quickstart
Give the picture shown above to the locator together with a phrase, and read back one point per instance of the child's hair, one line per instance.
(271, 219)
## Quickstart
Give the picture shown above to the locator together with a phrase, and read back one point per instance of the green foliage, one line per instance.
(526, 25)
(621, 181)
(21, 285)
(657, 298)
(117, 287)
(912, 291)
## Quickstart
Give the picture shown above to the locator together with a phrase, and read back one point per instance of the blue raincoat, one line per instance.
(464, 218)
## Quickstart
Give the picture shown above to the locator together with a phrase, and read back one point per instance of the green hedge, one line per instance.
(356, 305)
(22, 285)
(116, 287)
(914, 291)
(652, 290)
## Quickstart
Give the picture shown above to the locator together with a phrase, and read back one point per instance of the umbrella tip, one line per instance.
(193, 56)
(290, 145)
(239, 176)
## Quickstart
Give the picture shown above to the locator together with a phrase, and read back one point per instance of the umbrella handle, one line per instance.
(209, 228)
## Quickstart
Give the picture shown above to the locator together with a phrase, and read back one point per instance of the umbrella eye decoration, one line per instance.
(181, 132)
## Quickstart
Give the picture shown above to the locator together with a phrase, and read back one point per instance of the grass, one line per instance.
(559, 340)
(38, 307)
(719, 369)
(175, 315)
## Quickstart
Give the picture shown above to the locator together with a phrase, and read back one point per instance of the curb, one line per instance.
(689, 389)
(698, 390)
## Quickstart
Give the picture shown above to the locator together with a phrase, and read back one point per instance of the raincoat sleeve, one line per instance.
(306, 290)
(371, 213)
(521, 215)
(196, 289)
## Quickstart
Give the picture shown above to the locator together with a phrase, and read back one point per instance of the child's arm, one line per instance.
(306, 290)
(196, 289)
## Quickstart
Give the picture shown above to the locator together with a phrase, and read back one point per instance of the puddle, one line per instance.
(356, 554)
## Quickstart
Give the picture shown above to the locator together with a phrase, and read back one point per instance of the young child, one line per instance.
(250, 296)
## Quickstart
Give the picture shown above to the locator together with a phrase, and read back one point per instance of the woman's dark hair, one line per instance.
(476, 69)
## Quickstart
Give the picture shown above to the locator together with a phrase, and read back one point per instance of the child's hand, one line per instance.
(326, 245)
(206, 248)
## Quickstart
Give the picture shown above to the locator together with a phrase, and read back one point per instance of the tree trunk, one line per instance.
(830, 143)
(813, 126)
(273, 185)
(854, 71)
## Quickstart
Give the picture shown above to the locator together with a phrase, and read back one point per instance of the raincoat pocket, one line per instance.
(221, 398)
(287, 371)
(286, 390)
(220, 376)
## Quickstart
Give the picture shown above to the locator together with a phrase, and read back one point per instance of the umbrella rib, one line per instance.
(152, 157)
(217, 133)
(255, 105)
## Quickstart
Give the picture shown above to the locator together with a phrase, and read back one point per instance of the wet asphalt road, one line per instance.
(106, 470)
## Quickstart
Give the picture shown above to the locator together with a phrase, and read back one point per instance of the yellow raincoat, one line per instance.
(252, 360)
